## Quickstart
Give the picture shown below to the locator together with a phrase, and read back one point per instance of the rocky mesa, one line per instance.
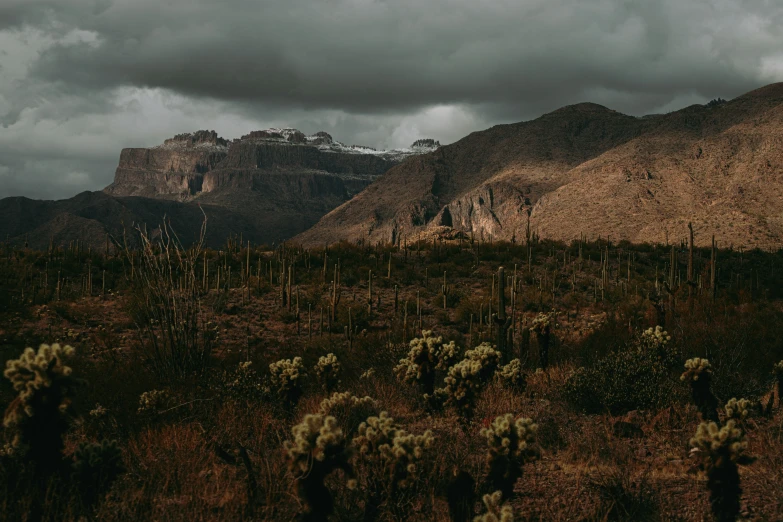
(280, 180)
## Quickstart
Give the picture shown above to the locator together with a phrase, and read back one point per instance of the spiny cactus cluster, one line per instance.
(698, 373)
(349, 410)
(426, 355)
(543, 321)
(153, 401)
(368, 373)
(95, 467)
(512, 375)
(497, 511)
(510, 444)
(719, 451)
(466, 378)
(287, 378)
(327, 371)
(738, 410)
(244, 382)
(39, 416)
(658, 341)
(656, 336)
(542, 327)
(318, 449)
(696, 369)
(400, 454)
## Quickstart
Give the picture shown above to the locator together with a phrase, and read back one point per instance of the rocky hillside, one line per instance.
(587, 170)
(280, 180)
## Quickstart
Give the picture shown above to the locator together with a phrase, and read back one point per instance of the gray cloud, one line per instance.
(100, 75)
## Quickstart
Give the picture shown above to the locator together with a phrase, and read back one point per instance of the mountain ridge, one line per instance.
(585, 169)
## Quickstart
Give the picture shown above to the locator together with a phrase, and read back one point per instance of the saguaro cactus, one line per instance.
(503, 322)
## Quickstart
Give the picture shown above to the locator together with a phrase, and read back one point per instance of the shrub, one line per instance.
(153, 401)
(777, 370)
(318, 449)
(287, 376)
(95, 467)
(426, 355)
(244, 383)
(510, 444)
(620, 382)
(465, 379)
(40, 414)
(497, 511)
(327, 371)
(719, 451)
(698, 373)
(166, 303)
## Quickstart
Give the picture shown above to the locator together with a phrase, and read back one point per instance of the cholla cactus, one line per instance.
(99, 411)
(512, 375)
(398, 453)
(367, 374)
(737, 410)
(720, 450)
(327, 371)
(426, 355)
(497, 511)
(349, 410)
(318, 449)
(542, 326)
(658, 340)
(153, 400)
(95, 467)
(245, 382)
(510, 444)
(698, 373)
(656, 336)
(466, 378)
(287, 378)
(39, 416)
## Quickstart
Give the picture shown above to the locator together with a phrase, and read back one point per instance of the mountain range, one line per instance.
(581, 171)
(585, 170)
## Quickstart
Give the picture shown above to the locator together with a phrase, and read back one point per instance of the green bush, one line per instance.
(621, 382)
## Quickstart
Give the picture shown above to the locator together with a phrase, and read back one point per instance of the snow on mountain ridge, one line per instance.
(323, 141)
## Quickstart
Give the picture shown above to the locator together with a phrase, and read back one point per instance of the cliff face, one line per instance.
(587, 170)
(280, 179)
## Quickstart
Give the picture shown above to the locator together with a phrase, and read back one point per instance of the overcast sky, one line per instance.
(81, 79)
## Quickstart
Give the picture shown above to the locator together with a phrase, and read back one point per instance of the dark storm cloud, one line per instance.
(114, 73)
(367, 56)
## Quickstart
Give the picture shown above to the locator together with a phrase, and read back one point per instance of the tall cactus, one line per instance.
(503, 322)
